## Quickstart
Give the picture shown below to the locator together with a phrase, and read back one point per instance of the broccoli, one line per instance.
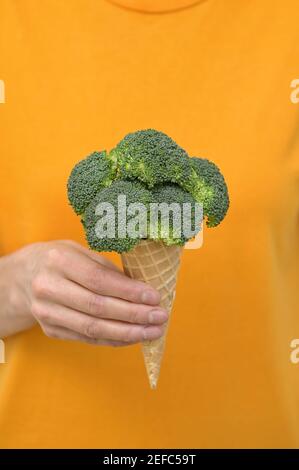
(107, 226)
(177, 222)
(87, 177)
(151, 157)
(207, 185)
(146, 168)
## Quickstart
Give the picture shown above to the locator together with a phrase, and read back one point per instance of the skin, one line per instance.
(75, 294)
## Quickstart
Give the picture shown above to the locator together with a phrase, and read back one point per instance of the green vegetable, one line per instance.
(151, 157)
(207, 186)
(169, 223)
(99, 218)
(87, 177)
(146, 168)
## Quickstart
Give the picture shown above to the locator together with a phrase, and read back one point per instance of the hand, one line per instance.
(76, 294)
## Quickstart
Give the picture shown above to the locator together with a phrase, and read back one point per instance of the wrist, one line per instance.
(15, 303)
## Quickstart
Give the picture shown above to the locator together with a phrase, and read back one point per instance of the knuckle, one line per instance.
(135, 292)
(131, 334)
(95, 304)
(94, 278)
(91, 329)
(40, 286)
(134, 316)
(54, 256)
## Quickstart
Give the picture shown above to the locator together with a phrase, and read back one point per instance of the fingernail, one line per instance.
(157, 316)
(152, 332)
(150, 297)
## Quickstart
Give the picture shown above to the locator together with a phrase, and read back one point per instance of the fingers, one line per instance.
(78, 298)
(65, 334)
(78, 295)
(101, 280)
(92, 255)
(95, 328)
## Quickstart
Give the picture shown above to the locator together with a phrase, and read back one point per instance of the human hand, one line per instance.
(76, 294)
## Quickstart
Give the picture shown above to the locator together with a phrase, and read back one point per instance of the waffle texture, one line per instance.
(157, 264)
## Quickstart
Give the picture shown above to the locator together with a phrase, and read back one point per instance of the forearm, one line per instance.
(14, 312)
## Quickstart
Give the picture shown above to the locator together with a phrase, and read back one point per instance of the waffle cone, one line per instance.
(157, 264)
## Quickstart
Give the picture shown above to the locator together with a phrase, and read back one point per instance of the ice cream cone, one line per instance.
(157, 264)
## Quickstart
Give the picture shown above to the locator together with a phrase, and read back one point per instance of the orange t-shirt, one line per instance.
(216, 76)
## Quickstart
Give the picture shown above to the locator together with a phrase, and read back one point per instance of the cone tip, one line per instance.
(153, 383)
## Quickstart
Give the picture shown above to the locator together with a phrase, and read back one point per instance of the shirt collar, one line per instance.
(155, 6)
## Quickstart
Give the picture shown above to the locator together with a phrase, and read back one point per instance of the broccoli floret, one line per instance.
(108, 221)
(87, 177)
(151, 157)
(175, 217)
(146, 170)
(207, 185)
